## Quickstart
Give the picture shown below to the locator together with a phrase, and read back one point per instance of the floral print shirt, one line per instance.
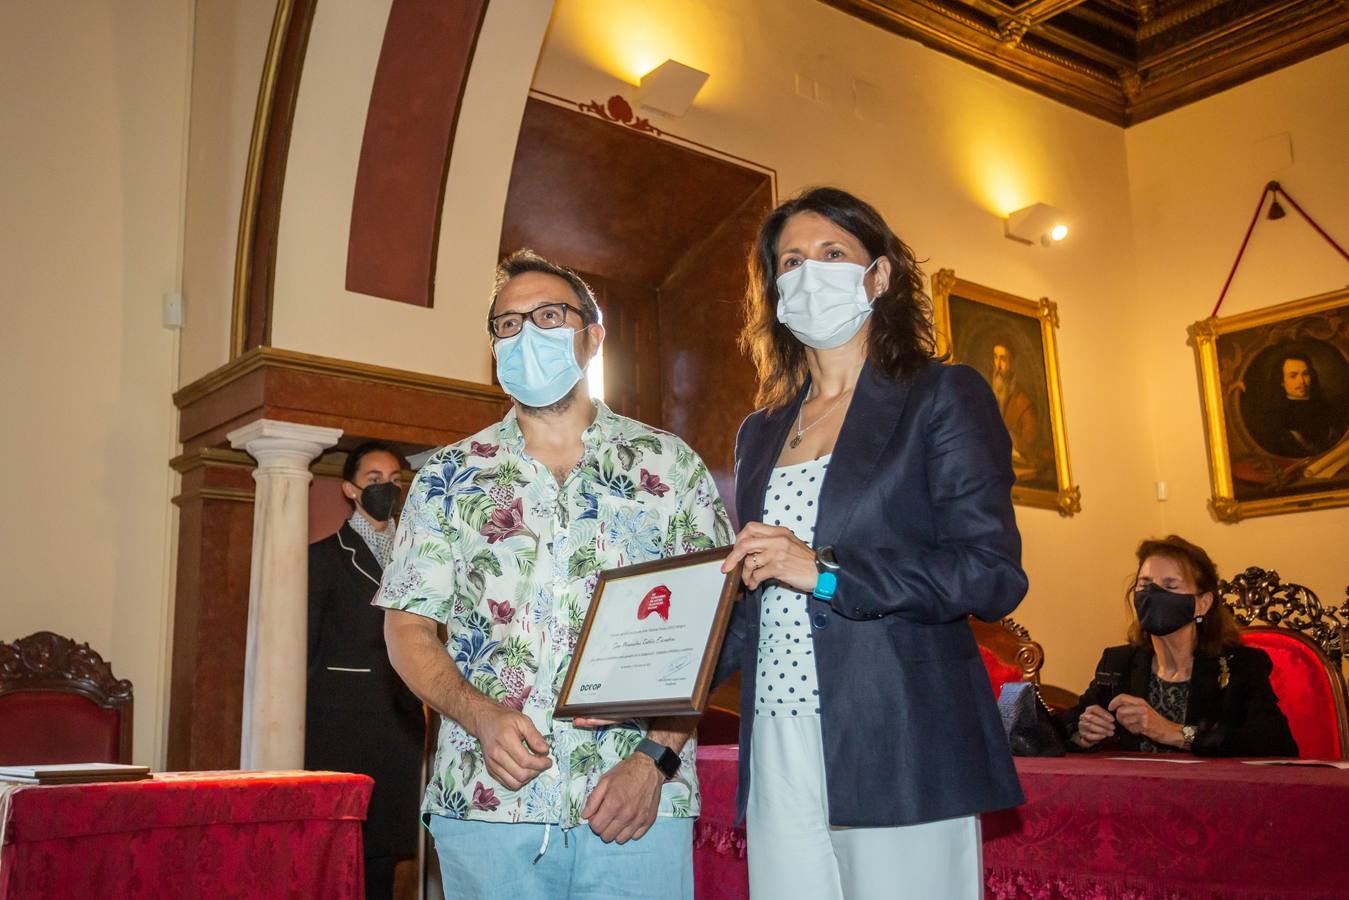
(493, 547)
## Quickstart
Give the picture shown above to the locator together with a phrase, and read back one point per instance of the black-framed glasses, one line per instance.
(545, 316)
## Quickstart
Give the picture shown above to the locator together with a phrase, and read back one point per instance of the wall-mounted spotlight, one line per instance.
(1038, 222)
(670, 87)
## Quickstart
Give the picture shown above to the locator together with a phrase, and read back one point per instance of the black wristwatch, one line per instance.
(666, 760)
(825, 561)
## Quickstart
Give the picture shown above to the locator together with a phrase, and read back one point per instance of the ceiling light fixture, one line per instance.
(1038, 222)
(670, 87)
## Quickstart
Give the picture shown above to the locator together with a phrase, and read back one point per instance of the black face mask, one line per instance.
(378, 500)
(1161, 612)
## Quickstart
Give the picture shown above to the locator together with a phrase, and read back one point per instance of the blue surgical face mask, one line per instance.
(538, 366)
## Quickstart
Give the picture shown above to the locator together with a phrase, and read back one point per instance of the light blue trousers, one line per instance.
(495, 861)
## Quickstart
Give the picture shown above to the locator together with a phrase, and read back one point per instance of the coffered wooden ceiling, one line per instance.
(1120, 60)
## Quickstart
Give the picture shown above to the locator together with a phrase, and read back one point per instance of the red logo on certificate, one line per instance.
(657, 600)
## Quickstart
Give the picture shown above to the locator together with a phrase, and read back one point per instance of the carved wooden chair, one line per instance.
(720, 723)
(1010, 655)
(1306, 643)
(60, 703)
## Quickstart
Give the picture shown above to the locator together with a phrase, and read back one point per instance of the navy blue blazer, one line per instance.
(917, 505)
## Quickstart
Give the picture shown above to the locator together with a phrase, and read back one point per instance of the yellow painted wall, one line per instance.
(94, 100)
(944, 150)
(228, 50)
(313, 312)
(1195, 176)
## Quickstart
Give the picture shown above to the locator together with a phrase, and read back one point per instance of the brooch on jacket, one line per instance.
(1224, 675)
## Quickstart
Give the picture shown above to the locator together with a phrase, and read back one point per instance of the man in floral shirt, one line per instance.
(502, 539)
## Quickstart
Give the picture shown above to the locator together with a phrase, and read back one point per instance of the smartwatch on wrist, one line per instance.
(827, 564)
(666, 760)
(825, 561)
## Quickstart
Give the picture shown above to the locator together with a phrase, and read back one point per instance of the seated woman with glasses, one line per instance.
(1184, 683)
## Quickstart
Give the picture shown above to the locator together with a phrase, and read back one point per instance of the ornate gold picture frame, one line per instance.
(1275, 389)
(1011, 341)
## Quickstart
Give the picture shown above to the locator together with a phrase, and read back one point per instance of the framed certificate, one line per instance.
(650, 640)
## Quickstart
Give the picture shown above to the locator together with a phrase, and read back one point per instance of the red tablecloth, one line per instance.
(1099, 828)
(719, 871)
(186, 835)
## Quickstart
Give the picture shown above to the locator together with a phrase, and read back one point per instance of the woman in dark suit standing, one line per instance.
(359, 715)
(875, 484)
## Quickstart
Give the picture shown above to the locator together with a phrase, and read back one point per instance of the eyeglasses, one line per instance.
(549, 315)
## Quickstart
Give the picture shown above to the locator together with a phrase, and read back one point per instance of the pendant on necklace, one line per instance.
(795, 442)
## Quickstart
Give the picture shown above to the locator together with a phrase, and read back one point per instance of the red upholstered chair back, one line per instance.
(1008, 652)
(60, 703)
(1010, 655)
(1310, 690)
(999, 672)
(1306, 643)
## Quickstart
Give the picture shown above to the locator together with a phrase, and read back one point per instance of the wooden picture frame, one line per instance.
(670, 639)
(1012, 342)
(1274, 384)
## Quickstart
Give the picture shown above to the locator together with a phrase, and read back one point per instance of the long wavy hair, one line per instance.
(1219, 628)
(901, 340)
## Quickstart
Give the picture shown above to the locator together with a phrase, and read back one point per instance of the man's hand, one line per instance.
(1093, 726)
(1138, 716)
(623, 804)
(512, 747)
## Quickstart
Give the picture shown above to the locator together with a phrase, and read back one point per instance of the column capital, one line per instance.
(283, 445)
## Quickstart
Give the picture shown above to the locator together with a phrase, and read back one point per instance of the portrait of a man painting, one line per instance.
(1275, 385)
(1010, 340)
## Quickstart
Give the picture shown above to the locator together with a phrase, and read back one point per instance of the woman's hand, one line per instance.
(773, 554)
(1093, 726)
(1137, 716)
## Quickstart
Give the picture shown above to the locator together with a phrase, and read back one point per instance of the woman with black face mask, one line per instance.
(1184, 683)
(359, 715)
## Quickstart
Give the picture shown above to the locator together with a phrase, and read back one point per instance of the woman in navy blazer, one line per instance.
(875, 488)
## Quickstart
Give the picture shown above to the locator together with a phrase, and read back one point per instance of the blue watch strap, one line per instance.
(825, 586)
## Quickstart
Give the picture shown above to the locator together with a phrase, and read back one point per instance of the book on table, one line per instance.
(73, 773)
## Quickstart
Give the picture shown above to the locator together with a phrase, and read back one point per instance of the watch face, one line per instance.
(668, 763)
(826, 560)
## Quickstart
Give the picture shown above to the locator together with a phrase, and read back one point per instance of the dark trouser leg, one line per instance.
(379, 877)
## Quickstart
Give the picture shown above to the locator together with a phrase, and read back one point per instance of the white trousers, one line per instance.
(795, 853)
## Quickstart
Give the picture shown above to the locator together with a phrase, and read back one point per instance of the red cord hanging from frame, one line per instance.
(1272, 188)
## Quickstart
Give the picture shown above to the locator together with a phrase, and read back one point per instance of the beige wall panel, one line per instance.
(313, 312)
(1196, 175)
(94, 100)
(228, 51)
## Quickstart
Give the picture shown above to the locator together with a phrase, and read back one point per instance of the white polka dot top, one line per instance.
(786, 683)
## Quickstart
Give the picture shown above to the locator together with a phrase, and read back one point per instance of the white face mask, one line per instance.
(824, 303)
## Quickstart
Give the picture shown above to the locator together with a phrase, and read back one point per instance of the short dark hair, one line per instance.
(526, 260)
(1219, 628)
(1300, 357)
(353, 462)
(901, 340)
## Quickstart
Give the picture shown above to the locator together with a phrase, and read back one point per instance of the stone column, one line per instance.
(274, 662)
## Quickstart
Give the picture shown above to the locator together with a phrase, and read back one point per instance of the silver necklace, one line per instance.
(801, 430)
